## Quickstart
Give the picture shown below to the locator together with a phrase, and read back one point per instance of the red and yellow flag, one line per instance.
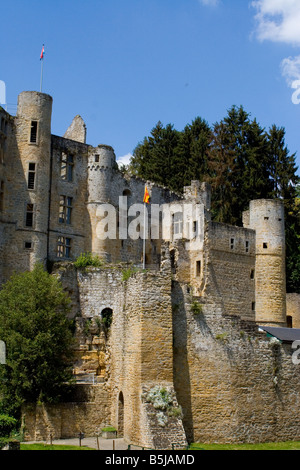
(146, 196)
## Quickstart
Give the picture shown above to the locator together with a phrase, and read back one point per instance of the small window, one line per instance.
(177, 224)
(265, 246)
(67, 167)
(65, 210)
(198, 268)
(28, 245)
(195, 228)
(1, 196)
(97, 158)
(247, 246)
(33, 132)
(253, 306)
(252, 274)
(29, 215)
(31, 176)
(127, 193)
(63, 247)
(289, 321)
(232, 243)
(266, 218)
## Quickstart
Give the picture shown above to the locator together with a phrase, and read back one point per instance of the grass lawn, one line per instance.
(291, 445)
(52, 447)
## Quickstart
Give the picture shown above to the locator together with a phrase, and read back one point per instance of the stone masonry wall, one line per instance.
(232, 384)
(87, 411)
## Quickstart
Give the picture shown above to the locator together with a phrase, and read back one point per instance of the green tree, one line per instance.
(39, 340)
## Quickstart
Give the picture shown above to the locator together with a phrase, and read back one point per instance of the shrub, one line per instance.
(127, 273)
(196, 308)
(7, 425)
(88, 259)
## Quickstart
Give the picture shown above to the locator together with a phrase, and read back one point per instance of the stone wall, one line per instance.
(232, 384)
(88, 411)
(293, 309)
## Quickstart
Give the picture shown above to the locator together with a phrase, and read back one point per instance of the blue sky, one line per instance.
(123, 65)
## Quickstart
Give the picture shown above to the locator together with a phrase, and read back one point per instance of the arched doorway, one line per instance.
(121, 415)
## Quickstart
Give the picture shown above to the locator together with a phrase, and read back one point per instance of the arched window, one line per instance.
(121, 415)
(106, 316)
(127, 193)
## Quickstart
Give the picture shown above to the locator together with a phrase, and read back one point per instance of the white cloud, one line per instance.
(210, 3)
(290, 68)
(124, 160)
(278, 20)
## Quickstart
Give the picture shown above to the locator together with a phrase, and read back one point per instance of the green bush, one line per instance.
(7, 425)
(88, 259)
(109, 429)
(196, 308)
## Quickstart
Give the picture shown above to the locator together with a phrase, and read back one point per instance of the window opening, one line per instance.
(232, 243)
(33, 132)
(252, 274)
(247, 246)
(29, 215)
(63, 247)
(28, 245)
(198, 268)
(65, 210)
(265, 246)
(67, 167)
(1, 195)
(31, 176)
(177, 223)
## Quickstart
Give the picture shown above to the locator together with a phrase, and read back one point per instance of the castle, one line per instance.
(187, 355)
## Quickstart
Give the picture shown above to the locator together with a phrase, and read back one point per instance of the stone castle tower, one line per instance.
(266, 217)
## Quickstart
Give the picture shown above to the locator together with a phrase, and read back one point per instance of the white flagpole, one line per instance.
(144, 241)
(42, 66)
(41, 75)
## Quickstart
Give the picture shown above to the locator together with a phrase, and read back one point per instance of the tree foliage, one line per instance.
(39, 340)
(242, 162)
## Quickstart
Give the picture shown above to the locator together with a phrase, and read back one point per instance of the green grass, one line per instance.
(52, 447)
(291, 445)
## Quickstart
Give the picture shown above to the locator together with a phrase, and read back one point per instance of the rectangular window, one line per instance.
(29, 215)
(31, 176)
(247, 245)
(195, 228)
(66, 167)
(232, 243)
(253, 306)
(63, 247)
(252, 274)
(265, 246)
(1, 196)
(198, 268)
(28, 245)
(65, 210)
(1, 152)
(33, 132)
(177, 224)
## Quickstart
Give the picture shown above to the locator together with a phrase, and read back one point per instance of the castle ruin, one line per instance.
(191, 327)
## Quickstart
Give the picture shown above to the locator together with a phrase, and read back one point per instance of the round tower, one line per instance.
(33, 136)
(101, 162)
(267, 219)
